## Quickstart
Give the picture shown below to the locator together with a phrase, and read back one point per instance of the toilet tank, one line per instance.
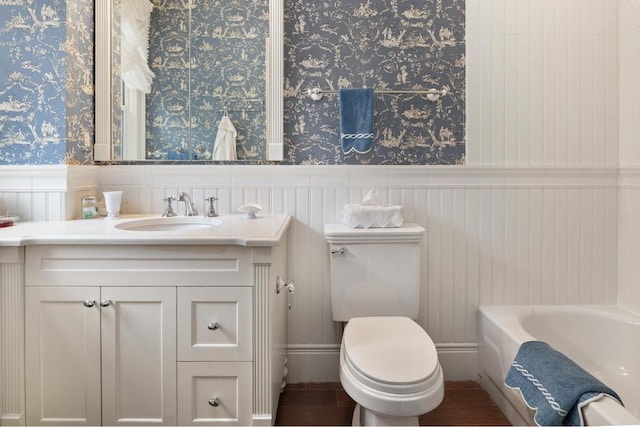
(374, 271)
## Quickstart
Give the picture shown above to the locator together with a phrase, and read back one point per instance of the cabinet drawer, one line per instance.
(214, 323)
(214, 393)
(107, 265)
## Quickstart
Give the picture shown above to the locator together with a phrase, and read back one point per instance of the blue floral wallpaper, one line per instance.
(46, 94)
(208, 57)
(387, 45)
(46, 70)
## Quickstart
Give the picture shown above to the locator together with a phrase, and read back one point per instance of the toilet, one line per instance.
(388, 363)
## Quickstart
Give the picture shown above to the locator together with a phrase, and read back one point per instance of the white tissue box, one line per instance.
(376, 216)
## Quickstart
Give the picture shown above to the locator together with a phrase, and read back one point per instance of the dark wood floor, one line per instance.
(465, 404)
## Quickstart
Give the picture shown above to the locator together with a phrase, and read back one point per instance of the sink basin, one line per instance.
(182, 223)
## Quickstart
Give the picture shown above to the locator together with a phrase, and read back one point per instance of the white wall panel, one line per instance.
(629, 53)
(542, 82)
(629, 240)
(45, 193)
(494, 236)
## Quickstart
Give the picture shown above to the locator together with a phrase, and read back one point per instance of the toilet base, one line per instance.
(365, 417)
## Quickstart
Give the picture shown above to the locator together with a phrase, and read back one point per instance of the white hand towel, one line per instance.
(134, 50)
(225, 145)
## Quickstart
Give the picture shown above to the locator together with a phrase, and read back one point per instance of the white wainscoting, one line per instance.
(629, 82)
(629, 247)
(494, 236)
(542, 82)
(45, 193)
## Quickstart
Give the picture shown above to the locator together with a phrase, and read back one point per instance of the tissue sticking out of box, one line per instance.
(371, 199)
(372, 213)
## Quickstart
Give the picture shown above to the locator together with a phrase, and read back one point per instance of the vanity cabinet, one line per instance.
(147, 334)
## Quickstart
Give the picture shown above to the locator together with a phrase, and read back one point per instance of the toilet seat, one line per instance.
(390, 365)
(410, 366)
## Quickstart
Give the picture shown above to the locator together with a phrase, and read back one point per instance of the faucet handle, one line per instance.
(169, 212)
(211, 212)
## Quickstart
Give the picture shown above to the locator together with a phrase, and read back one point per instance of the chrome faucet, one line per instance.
(189, 208)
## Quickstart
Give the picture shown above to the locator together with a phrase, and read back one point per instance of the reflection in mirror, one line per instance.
(192, 87)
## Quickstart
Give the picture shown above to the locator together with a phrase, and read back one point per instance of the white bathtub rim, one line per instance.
(519, 334)
(608, 412)
(601, 412)
(521, 311)
(616, 311)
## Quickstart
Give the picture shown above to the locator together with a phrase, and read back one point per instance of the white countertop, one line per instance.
(265, 230)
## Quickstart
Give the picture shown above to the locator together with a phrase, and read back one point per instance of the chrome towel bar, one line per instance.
(317, 94)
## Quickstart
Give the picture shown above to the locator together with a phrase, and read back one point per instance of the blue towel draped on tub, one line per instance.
(554, 385)
(356, 120)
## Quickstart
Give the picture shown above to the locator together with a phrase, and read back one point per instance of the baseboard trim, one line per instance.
(311, 363)
(263, 420)
(12, 420)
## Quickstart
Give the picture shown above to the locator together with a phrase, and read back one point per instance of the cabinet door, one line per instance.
(138, 355)
(215, 324)
(62, 348)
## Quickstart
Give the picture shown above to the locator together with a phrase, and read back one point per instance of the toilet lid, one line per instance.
(391, 353)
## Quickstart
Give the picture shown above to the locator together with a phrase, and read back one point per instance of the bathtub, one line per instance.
(604, 340)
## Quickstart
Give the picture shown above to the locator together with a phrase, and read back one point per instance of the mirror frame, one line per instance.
(274, 78)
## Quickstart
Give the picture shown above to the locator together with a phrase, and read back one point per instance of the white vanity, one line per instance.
(101, 325)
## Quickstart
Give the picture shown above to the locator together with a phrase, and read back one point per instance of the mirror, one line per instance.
(214, 80)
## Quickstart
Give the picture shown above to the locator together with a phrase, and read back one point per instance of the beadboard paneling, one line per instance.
(542, 82)
(629, 51)
(629, 239)
(494, 236)
(45, 193)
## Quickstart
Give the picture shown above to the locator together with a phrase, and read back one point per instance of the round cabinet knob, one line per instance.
(213, 326)
(215, 402)
(89, 303)
(105, 303)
